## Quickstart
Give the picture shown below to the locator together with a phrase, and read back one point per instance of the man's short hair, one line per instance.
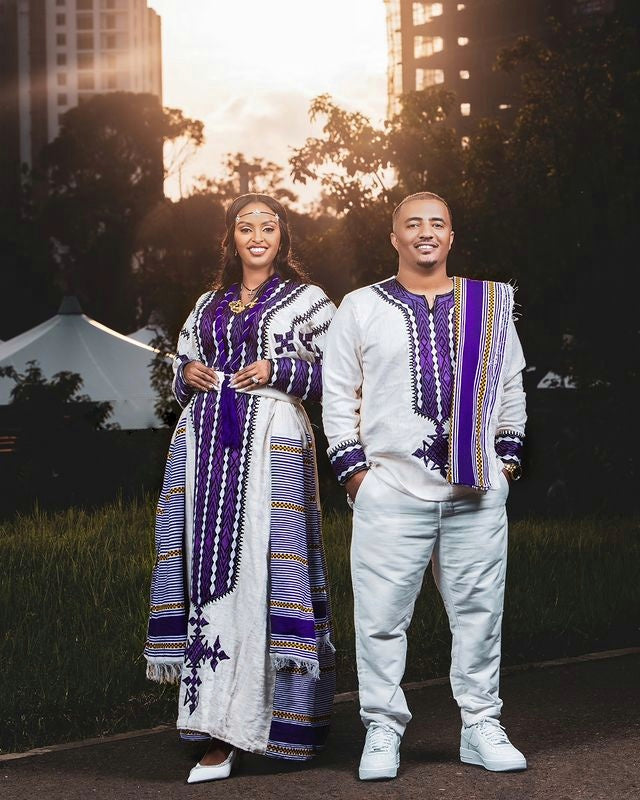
(422, 196)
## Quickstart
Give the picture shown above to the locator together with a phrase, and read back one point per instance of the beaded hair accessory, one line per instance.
(257, 214)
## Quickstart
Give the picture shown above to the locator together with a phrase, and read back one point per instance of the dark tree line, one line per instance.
(549, 202)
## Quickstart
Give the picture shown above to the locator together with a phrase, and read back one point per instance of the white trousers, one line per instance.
(395, 536)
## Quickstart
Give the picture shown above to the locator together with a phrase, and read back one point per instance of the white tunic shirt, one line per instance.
(388, 373)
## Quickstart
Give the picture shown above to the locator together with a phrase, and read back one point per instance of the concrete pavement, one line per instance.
(578, 725)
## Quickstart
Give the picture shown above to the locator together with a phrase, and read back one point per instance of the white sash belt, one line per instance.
(264, 391)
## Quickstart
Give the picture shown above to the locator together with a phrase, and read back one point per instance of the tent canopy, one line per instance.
(113, 367)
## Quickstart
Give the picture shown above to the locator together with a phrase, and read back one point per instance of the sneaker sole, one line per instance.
(377, 774)
(468, 756)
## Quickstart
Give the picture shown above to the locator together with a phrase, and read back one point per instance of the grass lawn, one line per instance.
(74, 601)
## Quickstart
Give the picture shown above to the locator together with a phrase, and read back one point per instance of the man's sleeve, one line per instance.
(513, 415)
(342, 384)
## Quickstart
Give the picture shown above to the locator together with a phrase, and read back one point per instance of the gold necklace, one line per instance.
(237, 306)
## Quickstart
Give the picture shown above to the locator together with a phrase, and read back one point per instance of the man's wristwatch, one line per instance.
(514, 470)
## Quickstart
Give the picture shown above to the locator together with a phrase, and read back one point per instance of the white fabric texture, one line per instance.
(395, 535)
(368, 403)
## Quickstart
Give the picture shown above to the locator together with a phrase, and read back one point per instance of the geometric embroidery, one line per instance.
(307, 339)
(431, 361)
(435, 451)
(286, 343)
(196, 656)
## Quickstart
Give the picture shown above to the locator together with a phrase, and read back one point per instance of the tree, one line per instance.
(241, 176)
(98, 180)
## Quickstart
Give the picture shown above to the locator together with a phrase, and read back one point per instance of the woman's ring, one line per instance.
(255, 379)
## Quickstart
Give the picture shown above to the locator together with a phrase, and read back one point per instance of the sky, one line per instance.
(248, 69)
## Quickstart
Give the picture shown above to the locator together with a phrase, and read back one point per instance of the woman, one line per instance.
(247, 629)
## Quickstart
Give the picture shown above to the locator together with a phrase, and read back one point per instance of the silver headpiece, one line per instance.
(257, 214)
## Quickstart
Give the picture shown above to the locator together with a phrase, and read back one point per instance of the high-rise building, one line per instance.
(56, 53)
(454, 45)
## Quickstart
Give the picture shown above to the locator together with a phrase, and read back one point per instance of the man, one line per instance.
(424, 413)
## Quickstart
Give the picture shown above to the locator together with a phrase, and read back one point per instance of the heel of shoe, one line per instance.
(468, 756)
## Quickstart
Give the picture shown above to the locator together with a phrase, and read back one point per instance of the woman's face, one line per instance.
(257, 236)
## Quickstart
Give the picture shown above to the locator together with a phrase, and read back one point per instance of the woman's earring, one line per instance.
(235, 252)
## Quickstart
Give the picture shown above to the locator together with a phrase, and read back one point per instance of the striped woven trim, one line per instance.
(289, 557)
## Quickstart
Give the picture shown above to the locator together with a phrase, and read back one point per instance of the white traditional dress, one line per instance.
(239, 604)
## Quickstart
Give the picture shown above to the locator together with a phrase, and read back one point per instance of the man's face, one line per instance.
(422, 233)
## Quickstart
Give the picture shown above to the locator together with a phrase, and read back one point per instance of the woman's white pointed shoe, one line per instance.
(213, 772)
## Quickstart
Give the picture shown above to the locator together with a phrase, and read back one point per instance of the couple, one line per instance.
(424, 413)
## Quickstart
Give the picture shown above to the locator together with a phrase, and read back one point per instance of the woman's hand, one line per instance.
(253, 376)
(200, 377)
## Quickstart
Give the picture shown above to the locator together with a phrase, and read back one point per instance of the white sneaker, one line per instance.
(381, 753)
(487, 745)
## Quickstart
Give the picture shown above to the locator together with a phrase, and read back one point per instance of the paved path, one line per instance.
(578, 725)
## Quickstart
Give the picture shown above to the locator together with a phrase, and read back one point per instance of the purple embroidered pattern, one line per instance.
(431, 358)
(230, 340)
(285, 343)
(198, 653)
(347, 458)
(509, 446)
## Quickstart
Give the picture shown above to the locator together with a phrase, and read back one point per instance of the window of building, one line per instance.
(465, 109)
(504, 106)
(111, 81)
(60, 2)
(84, 5)
(62, 99)
(61, 59)
(61, 19)
(428, 77)
(85, 22)
(61, 39)
(61, 119)
(62, 79)
(114, 41)
(464, 142)
(463, 41)
(426, 46)
(85, 41)
(108, 21)
(110, 4)
(425, 12)
(464, 74)
(86, 81)
(111, 61)
(85, 60)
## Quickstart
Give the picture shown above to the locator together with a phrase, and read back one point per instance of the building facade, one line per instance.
(56, 53)
(454, 45)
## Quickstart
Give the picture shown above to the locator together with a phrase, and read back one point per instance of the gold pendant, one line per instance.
(237, 306)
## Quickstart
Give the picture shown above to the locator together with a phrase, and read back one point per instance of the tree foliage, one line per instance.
(98, 180)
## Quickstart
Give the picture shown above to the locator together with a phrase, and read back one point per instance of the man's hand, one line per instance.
(353, 484)
(200, 377)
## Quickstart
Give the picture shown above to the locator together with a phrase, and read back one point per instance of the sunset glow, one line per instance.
(249, 69)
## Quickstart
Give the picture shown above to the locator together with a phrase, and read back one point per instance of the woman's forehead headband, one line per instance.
(257, 214)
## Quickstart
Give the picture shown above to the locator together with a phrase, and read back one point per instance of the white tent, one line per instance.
(145, 335)
(112, 366)
(150, 330)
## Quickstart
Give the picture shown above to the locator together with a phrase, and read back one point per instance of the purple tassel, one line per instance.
(229, 414)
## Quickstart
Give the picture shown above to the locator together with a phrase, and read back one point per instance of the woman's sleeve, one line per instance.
(186, 351)
(296, 367)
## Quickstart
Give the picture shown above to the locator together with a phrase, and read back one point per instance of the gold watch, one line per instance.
(514, 470)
